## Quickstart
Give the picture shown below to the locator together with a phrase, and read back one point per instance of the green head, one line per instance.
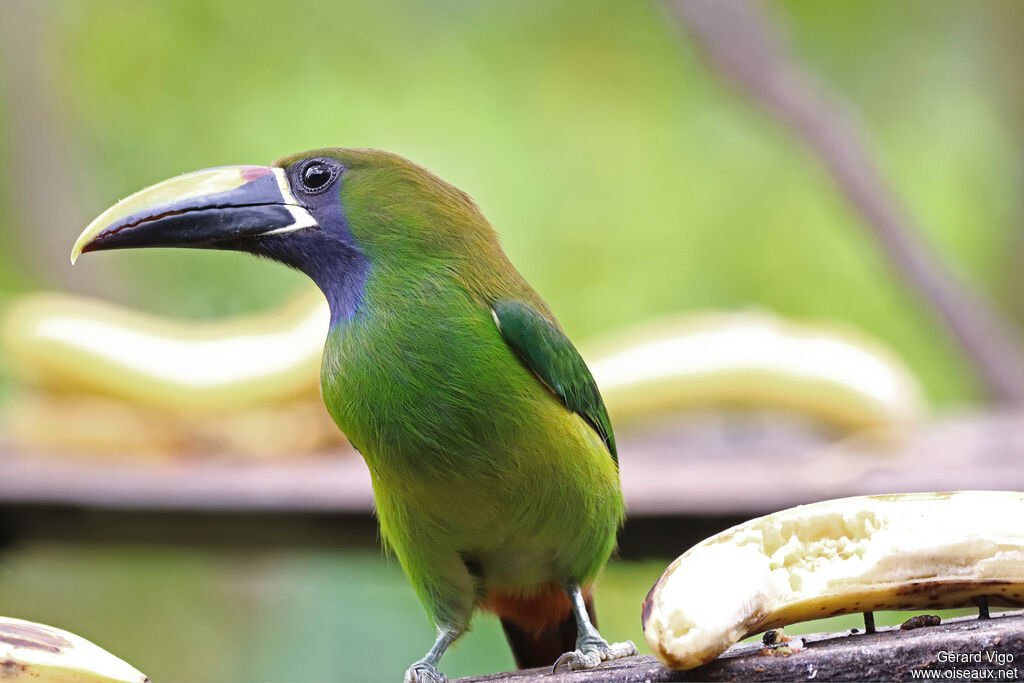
(335, 214)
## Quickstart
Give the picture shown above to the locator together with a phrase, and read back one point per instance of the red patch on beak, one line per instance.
(251, 173)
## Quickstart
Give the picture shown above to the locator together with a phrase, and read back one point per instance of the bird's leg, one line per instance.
(425, 670)
(591, 648)
(983, 607)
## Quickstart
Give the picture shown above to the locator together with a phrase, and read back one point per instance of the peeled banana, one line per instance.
(76, 345)
(38, 653)
(901, 551)
(754, 359)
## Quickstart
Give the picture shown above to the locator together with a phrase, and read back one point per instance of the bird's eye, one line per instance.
(317, 175)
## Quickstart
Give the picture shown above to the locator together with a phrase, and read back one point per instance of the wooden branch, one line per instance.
(887, 655)
(689, 467)
(747, 51)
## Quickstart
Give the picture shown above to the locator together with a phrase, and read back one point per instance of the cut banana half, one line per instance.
(893, 552)
(34, 652)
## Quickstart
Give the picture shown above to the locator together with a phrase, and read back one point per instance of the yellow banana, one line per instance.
(902, 551)
(35, 653)
(72, 344)
(754, 359)
(92, 425)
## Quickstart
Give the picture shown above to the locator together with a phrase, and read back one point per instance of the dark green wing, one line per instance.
(551, 356)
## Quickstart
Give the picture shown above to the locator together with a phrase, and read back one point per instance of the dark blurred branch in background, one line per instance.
(747, 50)
(43, 159)
(1006, 53)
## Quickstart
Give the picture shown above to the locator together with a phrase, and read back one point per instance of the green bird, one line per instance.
(493, 461)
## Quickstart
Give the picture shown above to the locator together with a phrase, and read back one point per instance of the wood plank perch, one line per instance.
(710, 471)
(889, 654)
(685, 467)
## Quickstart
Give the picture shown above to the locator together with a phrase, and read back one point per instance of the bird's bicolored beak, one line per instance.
(200, 209)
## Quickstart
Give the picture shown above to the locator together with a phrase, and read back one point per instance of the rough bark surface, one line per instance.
(888, 655)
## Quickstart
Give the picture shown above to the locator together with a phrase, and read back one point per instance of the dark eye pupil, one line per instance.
(316, 176)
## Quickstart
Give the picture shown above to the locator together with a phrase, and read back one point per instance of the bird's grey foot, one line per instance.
(424, 672)
(591, 651)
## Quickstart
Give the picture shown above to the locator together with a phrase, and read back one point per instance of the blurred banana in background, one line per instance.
(120, 381)
(249, 385)
(754, 360)
(74, 344)
(43, 654)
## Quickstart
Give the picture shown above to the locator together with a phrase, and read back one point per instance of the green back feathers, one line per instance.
(551, 356)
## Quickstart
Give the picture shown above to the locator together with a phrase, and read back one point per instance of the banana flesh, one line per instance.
(892, 552)
(34, 652)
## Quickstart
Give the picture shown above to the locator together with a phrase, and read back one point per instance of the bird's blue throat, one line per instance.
(329, 256)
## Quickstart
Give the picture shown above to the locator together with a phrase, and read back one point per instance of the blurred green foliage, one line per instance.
(626, 183)
(263, 617)
(254, 616)
(625, 180)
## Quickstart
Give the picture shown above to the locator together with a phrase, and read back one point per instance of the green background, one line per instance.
(625, 180)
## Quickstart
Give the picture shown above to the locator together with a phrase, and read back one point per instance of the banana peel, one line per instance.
(35, 652)
(892, 552)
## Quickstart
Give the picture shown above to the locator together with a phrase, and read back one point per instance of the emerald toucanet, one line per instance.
(492, 457)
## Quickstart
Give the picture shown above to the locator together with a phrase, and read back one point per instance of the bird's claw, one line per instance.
(577, 659)
(591, 653)
(424, 672)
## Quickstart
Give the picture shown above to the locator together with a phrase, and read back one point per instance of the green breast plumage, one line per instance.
(424, 368)
(442, 408)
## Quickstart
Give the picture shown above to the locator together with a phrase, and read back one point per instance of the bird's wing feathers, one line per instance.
(551, 356)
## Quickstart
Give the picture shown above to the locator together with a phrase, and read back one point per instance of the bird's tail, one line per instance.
(539, 627)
